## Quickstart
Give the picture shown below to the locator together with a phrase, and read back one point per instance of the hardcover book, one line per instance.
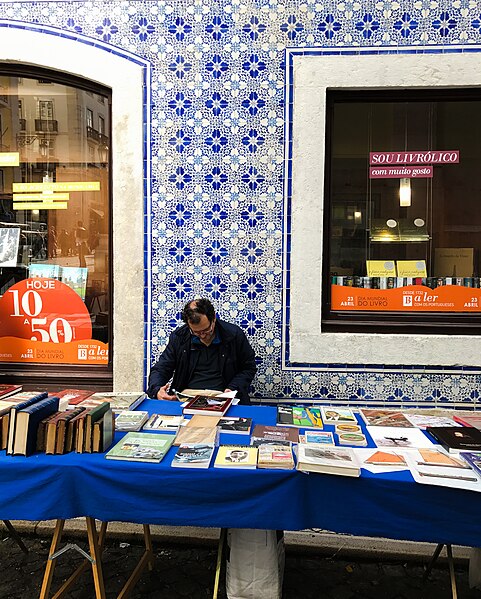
(27, 422)
(193, 456)
(275, 433)
(74, 396)
(103, 433)
(12, 417)
(6, 390)
(236, 456)
(327, 460)
(131, 420)
(458, 439)
(141, 447)
(119, 401)
(299, 417)
(235, 425)
(61, 438)
(332, 414)
(275, 456)
(49, 429)
(374, 417)
(354, 439)
(259, 442)
(203, 404)
(92, 416)
(164, 422)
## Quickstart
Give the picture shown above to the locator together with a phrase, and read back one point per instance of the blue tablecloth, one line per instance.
(392, 505)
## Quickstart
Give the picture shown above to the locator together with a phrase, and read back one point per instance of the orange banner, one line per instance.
(43, 320)
(413, 298)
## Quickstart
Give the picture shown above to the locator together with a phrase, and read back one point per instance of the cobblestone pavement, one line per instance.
(182, 572)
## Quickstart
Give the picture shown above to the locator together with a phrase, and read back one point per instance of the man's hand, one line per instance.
(162, 394)
(227, 390)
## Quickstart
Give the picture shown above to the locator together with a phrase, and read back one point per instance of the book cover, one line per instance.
(13, 413)
(193, 456)
(375, 417)
(473, 419)
(235, 425)
(46, 271)
(127, 400)
(103, 433)
(203, 404)
(299, 417)
(76, 278)
(318, 438)
(463, 438)
(42, 431)
(74, 396)
(327, 460)
(197, 435)
(62, 441)
(28, 420)
(7, 390)
(9, 241)
(275, 433)
(258, 442)
(354, 439)
(473, 459)
(131, 420)
(275, 456)
(50, 432)
(236, 456)
(331, 415)
(73, 427)
(347, 428)
(392, 436)
(436, 457)
(385, 458)
(141, 447)
(203, 420)
(422, 421)
(164, 422)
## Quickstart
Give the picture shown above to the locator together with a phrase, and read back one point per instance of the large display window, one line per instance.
(55, 281)
(402, 211)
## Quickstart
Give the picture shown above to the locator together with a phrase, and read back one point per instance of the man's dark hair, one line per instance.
(194, 309)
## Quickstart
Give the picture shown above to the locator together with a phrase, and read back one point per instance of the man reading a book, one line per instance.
(205, 353)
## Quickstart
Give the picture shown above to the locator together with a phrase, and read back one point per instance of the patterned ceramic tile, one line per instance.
(216, 142)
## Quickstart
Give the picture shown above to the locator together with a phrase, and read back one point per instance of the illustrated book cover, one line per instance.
(327, 460)
(236, 456)
(423, 421)
(164, 422)
(203, 420)
(127, 400)
(374, 417)
(76, 278)
(275, 456)
(197, 435)
(141, 447)
(299, 417)
(385, 458)
(473, 419)
(354, 439)
(235, 425)
(317, 438)
(332, 414)
(74, 396)
(203, 404)
(473, 459)
(193, 456)
(45, 271)
(9, 241)
(275, 433)
(403, 438)
(463, 438)
(131, 420)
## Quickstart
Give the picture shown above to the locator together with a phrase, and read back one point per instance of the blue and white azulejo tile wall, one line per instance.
(216, 100)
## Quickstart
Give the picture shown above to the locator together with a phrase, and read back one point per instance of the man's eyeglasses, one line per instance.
(203, 332)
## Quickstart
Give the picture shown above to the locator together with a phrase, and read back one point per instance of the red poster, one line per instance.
(413, 298)
(44, 320)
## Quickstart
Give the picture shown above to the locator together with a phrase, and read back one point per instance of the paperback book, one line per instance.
(235, 425)
(141, 447)
(275, 456)
(275, 433)
(203, 404)
(299, 417)
(473, 459)
(119, 401)
(473, 419)
(327, 460)
(353, 439)
(193, 456)
(423, 421)
(373, 417)
(331, 415)
(345, 427)
(46, 271)
(385, 458)
(396, 437)
(317, 438)
(130, 420)
(165, 422)
(236, 456)
(76, 278)
(197, 435)
(443, 476)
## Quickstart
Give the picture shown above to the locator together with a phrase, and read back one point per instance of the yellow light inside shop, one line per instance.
(9, 158)
(40, 206)
(56, 186)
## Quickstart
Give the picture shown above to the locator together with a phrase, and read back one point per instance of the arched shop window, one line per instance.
(55, 230)
(402, 196)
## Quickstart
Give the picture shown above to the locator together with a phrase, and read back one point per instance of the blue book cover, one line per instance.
(28, 420)
(13, 413)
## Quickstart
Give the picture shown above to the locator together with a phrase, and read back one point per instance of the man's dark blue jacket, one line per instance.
(237, 361)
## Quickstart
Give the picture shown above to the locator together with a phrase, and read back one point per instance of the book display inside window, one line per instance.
(402, 211)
